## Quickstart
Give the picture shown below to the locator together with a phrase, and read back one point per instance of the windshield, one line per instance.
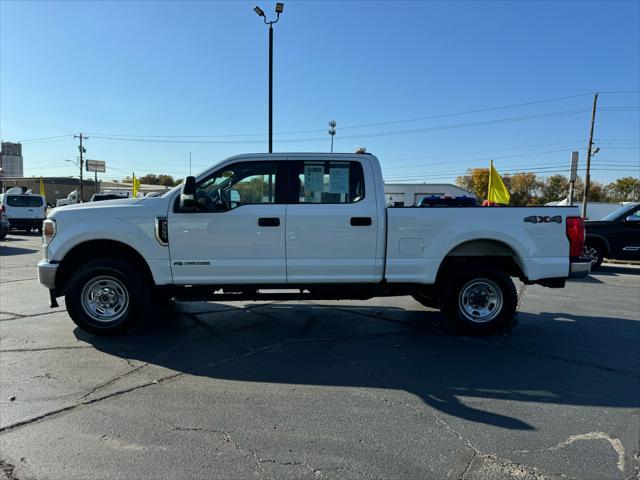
(23, 201)
(618, 212)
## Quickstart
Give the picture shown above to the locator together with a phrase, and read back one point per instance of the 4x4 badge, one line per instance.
(543, 219)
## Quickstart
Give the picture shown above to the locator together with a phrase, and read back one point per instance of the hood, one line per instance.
(101, 204)
(119, 207)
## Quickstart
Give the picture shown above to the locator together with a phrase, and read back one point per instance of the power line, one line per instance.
(46, 138)
(361, 135)
(450, 175)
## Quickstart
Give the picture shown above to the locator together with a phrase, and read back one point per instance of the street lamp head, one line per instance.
(258, 11)
(279, 8)
(597, 149)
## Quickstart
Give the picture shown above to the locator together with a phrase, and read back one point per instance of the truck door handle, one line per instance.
(360, 221)
(269, 222)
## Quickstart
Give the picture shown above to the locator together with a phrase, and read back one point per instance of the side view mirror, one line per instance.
(632, 219)
(188, 194)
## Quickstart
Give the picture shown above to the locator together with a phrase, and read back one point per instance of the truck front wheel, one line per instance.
(107, 296)
(480, 302)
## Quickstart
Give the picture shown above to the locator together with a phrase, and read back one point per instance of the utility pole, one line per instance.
(332, 131)
(587, 177)
(82, 151)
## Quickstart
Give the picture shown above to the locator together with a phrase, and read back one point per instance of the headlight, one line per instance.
(49, 231)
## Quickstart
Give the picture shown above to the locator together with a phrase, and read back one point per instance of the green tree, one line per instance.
(626, 189)
(476, 181)
(524, 188)
(554, 188)
(598, 192)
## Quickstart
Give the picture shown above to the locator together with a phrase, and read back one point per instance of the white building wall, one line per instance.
(407, 194)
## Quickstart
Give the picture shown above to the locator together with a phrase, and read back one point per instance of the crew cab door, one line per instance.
(236, 235)
(332, 222)
(625, 236)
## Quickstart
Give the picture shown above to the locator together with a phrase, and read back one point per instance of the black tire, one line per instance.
(119, 281)
(485, 286)
(594, 251)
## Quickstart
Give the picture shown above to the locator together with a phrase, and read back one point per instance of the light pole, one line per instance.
(80, 178)
(332, 131)
(260, 13)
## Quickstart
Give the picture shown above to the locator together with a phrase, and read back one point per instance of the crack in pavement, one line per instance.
(466, 470)
(222, 361)
(515, 468)
(615, 443)
(44, 349)
(258, 459)
(18, 280)
(19, 316)
(114, 379)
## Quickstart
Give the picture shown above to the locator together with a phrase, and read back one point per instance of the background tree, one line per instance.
(476, 181)
(153, 179)
(524, 188)
(554, 188)
(626, 189)
(598, 192)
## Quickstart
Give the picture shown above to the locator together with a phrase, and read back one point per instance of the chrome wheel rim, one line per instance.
(105, 299)
(480, 300)
(592, 253)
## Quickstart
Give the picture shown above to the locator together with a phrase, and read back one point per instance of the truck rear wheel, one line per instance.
(107, 296)
(480, 301)
(593, 250)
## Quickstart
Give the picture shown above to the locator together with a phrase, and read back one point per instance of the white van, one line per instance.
(25, 211)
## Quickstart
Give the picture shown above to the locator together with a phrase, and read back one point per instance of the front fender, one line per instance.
(135, 232)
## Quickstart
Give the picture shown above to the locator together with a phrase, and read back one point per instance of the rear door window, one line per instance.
(329, 182)
(23, 201)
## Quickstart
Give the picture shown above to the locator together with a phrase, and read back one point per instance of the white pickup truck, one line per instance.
(309, 223)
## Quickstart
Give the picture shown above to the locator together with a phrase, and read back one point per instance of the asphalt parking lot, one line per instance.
(367, 389)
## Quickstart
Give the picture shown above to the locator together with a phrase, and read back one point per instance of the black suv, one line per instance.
(616, 236)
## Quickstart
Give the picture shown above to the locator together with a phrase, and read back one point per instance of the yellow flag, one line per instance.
(41, 187)
(498, 193)
(136, 186)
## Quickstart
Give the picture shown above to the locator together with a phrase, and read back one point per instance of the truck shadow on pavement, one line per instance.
(8, 251)
(548, 358)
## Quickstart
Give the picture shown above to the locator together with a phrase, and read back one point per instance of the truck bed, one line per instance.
(419, 238)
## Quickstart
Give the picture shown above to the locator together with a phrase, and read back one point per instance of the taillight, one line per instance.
(575, 234)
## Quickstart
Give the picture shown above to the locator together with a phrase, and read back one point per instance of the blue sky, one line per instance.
(155, 73)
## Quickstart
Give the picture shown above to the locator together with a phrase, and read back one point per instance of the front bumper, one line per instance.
(47, 274)
(580, 267)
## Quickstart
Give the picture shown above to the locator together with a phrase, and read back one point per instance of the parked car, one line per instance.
(5, 225)
(616, 236)
(447, 201)
(98, 197)
(221, 236)
(25, 211)
(71, 199)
